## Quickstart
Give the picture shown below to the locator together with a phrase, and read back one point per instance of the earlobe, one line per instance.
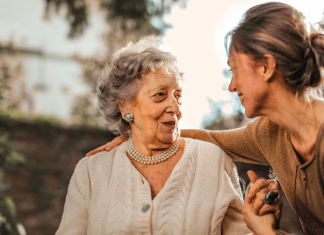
(269, 67)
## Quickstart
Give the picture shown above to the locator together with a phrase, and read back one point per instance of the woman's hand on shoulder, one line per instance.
(109, 146)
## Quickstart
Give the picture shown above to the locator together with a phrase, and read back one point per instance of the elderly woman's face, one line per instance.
(156, 109)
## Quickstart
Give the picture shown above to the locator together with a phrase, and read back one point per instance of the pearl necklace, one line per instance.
(134, 154)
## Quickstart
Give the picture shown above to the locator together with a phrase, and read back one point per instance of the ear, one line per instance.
(268, 67)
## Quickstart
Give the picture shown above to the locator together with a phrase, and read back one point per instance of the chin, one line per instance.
(170, 138)
(250, 114)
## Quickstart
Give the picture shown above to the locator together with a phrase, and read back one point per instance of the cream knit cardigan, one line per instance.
(107, 195)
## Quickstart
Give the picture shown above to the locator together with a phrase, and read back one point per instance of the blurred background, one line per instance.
(51, 54)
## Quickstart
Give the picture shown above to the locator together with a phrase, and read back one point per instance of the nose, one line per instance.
(174, 105)
(231, 86)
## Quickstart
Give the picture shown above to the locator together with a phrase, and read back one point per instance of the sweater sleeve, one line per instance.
(241, 144)
(319, 153)
(75, 216)
(233, 220)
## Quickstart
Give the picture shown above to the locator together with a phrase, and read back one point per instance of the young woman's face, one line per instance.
(157, 109)
(248, 82)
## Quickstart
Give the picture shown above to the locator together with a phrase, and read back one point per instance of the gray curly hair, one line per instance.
(120, 79)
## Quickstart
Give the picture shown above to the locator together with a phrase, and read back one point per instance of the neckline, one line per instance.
(317, 143)
(320, 136)
(188, 141)
(183, 158)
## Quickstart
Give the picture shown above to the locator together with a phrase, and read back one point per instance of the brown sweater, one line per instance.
(263, 142)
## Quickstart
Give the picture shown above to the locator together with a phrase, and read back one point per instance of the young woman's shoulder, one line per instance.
(262, 130)
(262, 123)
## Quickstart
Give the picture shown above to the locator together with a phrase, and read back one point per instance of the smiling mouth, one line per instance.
(169, 123)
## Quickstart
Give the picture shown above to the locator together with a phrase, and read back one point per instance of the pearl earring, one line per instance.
(128, 116)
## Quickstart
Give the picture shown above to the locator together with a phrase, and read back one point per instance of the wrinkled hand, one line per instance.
(256, 212)
(109, 146)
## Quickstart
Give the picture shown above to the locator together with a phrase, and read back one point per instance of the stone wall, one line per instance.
(52, 152)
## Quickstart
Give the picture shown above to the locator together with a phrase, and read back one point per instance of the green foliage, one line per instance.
(139, 12)
(14, 113)
(11, 48)
(9, 159)
(12, 79)
(76, 14)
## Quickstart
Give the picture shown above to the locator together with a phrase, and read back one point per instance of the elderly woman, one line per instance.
(156, 182)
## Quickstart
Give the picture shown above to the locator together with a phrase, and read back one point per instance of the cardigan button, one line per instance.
(146, 208)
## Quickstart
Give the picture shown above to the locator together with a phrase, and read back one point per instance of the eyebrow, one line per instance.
(160, 87)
